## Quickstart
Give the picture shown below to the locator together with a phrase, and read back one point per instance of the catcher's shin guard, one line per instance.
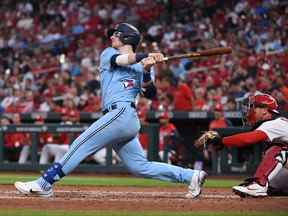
(273, 161)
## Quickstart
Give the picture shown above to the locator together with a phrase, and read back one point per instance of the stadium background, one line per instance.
(49, 54)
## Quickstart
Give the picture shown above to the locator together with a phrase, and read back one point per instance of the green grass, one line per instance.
(114, 181)
(27, 212)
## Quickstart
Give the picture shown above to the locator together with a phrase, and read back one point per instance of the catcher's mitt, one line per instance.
(209, 138)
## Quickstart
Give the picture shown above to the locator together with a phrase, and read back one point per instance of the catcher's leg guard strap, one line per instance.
(273, 161)
(53, 173)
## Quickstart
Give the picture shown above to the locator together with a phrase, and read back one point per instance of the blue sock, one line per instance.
(50, 176)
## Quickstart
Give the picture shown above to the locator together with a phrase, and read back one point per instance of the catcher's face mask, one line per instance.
(250, 104)
(247, 109)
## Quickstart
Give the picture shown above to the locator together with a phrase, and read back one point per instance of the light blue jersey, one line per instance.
(120, 83)
(118, 127)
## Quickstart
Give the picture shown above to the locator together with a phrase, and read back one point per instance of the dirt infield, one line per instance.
(140, 199)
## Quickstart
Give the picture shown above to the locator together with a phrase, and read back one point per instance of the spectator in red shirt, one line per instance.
(16, 145)
(56, 145)
(10, 103)
(168, 139)
(44, 137)
(56, 149)
(69, 112)
(219, 120)
(90, 104)
(200, 99)
(182, 96)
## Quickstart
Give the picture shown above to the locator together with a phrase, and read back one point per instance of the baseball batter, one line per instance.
(124, 73)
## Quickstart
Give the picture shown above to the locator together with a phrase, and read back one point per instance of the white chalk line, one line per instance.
(91, 195)
(117, 195)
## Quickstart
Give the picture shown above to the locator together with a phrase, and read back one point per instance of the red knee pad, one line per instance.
(274, 159)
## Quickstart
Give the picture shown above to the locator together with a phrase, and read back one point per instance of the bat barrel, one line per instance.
(203, 53)
(216, 51)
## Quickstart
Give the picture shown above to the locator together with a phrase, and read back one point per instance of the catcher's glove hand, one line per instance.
(209, 138)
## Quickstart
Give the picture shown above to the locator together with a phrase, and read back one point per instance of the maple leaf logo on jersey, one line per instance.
(128, 83)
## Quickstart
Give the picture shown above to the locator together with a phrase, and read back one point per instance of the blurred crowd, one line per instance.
(49, 52)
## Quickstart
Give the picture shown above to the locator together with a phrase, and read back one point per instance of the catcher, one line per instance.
(268, 127)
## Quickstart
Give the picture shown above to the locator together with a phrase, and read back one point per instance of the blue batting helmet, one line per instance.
(128, 34)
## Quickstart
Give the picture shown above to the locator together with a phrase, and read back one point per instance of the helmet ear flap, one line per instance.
(124, 39)
(132, 40)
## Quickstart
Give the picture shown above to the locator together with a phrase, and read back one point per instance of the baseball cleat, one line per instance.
(197, 180)
(32, 189)
(252, 190)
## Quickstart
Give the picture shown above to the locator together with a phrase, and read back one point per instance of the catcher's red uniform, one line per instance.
(275, 157)
(273, 132)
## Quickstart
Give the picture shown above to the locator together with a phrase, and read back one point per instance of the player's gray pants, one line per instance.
(119, 128)
(280, 180)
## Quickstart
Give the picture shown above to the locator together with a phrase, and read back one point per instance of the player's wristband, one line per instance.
(146, 77)
(140, 56)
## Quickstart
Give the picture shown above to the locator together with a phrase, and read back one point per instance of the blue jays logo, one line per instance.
(128, 83)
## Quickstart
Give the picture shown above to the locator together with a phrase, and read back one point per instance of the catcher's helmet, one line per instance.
(128, 34)
(260, 101)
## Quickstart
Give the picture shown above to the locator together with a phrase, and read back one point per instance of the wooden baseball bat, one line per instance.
(203, 53)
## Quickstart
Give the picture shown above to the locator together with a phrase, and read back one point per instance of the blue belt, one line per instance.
(114, 106)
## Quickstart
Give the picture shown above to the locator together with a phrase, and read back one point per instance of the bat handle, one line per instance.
(165, 58)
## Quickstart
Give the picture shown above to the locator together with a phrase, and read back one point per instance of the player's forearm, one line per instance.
(244, 139)
(132, 58)
(229, 131)
(127, 59)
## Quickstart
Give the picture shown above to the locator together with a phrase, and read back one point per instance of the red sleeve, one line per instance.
(187, 91)
(244, 139)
